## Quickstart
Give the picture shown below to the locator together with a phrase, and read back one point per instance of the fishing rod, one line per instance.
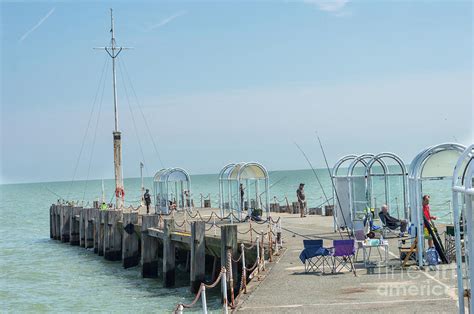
(319, 181)
(56, 194)
(272, 185)
(332, 183)
(314, 172)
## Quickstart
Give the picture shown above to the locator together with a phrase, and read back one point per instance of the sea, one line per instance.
(38, 274)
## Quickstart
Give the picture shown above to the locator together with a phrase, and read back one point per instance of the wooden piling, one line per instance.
(54, 209)
(96, 226)
(130, 241)
(57, 222)
(82, 227)
(51, 233)
(74, 225)
(168, 254)
(149, 247)
(229, 242)
(198, 255)
(65, 212)
(89, 232)
(100, 244)
(112, 236)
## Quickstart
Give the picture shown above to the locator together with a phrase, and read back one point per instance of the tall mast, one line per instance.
(113, 51)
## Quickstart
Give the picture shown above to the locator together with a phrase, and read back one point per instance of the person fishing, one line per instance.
(103, 206)
(301, 199)
(242, 193)
(147, 199)
(428, 217)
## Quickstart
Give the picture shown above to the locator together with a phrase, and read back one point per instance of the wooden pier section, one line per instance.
(200, 240)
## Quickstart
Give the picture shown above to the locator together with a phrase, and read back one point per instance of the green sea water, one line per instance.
(42, 275)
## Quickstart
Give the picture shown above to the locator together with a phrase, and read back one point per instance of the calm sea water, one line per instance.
(39, 274)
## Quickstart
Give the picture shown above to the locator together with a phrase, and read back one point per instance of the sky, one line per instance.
(208, 83)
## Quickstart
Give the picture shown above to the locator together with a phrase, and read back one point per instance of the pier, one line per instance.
(199, 241)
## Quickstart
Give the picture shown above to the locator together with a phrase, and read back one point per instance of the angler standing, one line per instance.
(301, 199)
(147, 199)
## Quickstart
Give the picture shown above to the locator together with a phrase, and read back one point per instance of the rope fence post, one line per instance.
(231, 277)
(215, 226)
(258, 254)
(201, 200)
(224, 291)
(269, 243)
(250, 226)
(244, 271)
(203, 299)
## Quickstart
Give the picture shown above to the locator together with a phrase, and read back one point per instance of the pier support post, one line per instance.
(51, 209)
(82, 227)
(96, 226)
(169, 254)
(229, 242)
(89, 232)
(198, 255)
(57, 222)
(113, 236)
(149, 247)
(65, 212)
(130, 241)
(101, 231)
(74, 225)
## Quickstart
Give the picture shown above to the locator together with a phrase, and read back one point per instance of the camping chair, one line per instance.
(314, 255)
(360, 238)
(385, 227)
(343, 253)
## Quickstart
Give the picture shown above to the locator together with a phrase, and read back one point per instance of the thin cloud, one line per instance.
(167, 20)
(37, 25)
(331, 6)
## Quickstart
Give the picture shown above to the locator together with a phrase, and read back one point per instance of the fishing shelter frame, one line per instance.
(248, 174)
(172, 185)
(463, 204)
(353, 192)
(401, 173)
(433, 163)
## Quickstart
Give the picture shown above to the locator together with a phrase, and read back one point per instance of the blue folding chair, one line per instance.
(314, 255)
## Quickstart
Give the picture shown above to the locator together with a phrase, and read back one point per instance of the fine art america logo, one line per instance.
(400, 283)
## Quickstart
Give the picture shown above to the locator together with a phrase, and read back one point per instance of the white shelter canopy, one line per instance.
(433, 163)
(249, 175)
(463, 204)
(172, 187)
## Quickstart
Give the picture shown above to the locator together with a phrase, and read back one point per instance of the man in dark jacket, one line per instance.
(147, 199)
(392, 222)
(301, 199)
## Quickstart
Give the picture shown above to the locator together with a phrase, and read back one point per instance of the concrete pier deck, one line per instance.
(288, 289)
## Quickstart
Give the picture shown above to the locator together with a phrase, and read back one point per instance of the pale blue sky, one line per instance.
(232, 81)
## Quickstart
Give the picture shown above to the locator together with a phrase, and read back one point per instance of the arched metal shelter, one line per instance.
(397, 171)
(354, 190)
(463, 204)
(341, 193)
(433, 163)
(249, 174)
(172, 186)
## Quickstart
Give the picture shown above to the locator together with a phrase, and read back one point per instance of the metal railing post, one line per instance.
(203, 299)
(224, 291)
(244, 270)
(258, 254)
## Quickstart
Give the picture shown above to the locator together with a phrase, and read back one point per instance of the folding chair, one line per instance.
(385, 227)
(314, 255)
(343, 253)
(360, 238)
